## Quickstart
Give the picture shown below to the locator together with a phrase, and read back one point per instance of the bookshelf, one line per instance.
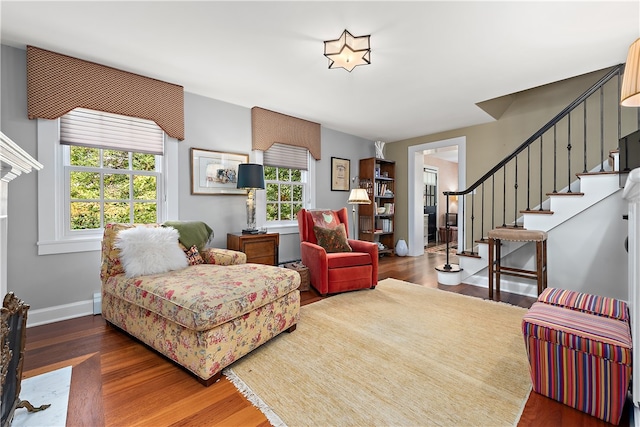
(377, 176)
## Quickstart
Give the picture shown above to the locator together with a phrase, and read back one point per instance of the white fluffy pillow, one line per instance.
(146, 250)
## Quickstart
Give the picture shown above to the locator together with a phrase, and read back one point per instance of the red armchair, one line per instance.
(339, 271)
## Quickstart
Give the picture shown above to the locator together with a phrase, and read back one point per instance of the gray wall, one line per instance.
(51, 281)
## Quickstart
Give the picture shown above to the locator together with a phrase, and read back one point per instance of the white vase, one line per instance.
(401, 248)
(379, 149)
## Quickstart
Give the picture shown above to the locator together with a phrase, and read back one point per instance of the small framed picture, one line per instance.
(215, 172)
(340, 173)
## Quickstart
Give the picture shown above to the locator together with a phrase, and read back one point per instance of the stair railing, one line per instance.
(556, 132)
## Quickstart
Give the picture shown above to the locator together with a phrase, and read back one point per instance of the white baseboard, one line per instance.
(47, 315)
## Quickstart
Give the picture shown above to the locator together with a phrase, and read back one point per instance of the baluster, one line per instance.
(472, 219)
(601, 130)
(482, 215)
(555, 159)
(447, 266)
(584, 170)
(515, 198)
(493, 201)
(463, 224)
(528, 176)
(619, 107)
(541, 172)
(569, 152)
(504, 196)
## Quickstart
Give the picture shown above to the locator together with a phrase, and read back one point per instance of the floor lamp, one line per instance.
(358, 196)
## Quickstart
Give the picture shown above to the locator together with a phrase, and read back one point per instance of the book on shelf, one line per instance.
(382, 189)
(389, 208)
(384, 225)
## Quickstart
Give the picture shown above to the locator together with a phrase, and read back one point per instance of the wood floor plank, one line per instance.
(139, 387)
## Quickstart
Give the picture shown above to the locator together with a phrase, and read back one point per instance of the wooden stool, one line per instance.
(517, 235)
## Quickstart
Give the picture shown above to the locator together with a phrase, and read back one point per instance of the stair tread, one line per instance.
(597, 173)
(537, 211)
(469, 254)
(566, 194)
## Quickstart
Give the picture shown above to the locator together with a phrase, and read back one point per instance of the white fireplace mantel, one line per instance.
(14, 161)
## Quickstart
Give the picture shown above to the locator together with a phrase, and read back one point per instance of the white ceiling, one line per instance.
(431, 61)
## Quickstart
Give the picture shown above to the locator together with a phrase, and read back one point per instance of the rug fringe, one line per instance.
(524, 404)
(255, 400)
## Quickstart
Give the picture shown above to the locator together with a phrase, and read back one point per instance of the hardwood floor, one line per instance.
(118, 381)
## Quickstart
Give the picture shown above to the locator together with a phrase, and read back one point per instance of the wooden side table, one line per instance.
(259, 248)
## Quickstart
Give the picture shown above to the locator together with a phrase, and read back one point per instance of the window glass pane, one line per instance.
(297, 193)
(285, 193)
(270, 173)
(283, 174)
(116, 212)
(285, 212)
(116, 186)
(144, 213)
(296, 208)
(84, 185)
(272, 193)
(84, 156)
(84, 215)
(115, 159)
(144, 187)
(143, 162)
(272, 211)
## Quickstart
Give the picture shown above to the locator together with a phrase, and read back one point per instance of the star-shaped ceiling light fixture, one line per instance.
(348, 51)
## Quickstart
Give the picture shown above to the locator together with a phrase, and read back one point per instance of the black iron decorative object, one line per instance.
(13, 328)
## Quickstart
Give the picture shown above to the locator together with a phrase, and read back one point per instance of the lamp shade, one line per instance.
(358, 196)
(630, 93)
(250, 175)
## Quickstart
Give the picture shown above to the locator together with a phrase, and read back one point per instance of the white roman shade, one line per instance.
(98, 129)
(286, 156)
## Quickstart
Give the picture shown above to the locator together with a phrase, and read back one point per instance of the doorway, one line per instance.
(415, 180)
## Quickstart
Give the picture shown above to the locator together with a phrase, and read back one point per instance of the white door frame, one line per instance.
(415, 162)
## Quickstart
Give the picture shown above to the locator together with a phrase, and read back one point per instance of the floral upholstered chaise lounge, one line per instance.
(203, 316)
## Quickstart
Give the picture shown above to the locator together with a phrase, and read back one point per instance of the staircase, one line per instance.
(583, 219)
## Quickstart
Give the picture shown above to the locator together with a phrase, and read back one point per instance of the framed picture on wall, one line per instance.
(215, 172)
(340, 173)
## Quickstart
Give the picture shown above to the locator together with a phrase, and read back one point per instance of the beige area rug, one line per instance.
(399, 355)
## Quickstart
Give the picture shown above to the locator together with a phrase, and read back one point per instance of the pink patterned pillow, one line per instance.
(332, 239)
(325, 219)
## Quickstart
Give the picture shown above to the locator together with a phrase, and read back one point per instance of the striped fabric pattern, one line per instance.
(579, 359)
(602, 306)
(601, 336)
(583, 381)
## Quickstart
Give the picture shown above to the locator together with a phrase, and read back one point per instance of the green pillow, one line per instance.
(192, 232)
(332, 239)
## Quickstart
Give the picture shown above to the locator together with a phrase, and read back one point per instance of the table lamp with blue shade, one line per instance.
(251, 177)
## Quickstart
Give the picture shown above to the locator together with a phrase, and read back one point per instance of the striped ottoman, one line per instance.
(580, 351)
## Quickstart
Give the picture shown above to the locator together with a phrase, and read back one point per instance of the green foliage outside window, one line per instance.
(285, 193)
(104, 188)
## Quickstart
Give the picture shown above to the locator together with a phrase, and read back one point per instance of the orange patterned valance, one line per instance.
(269, 127)
(56, 84)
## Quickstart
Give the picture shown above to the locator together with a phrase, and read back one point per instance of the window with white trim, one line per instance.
(286, 174)
(102, 168)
